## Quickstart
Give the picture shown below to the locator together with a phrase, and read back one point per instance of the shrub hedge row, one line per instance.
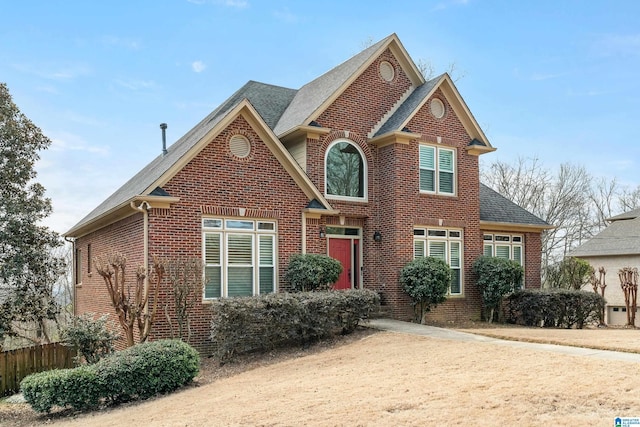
(261, 323)
(138, 372)
(553, 308)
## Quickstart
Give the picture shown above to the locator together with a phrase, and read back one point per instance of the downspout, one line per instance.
(144, 209)
(74, 279)
(304, 232)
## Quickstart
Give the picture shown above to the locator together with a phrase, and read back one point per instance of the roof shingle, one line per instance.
(494, 207)
(268, 100)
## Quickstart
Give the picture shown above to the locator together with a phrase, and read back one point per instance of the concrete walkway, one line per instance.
(391, 325)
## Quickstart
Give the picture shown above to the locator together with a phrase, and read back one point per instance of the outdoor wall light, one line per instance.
(322, 233)
(377, 236)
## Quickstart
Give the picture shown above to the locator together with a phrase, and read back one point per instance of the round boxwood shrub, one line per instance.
(426, 280)
(312, 272)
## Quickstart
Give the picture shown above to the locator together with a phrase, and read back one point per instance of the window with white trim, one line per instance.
(506, 246)
(445, 244)
(239, 257)
(437, 170)
(345, 171)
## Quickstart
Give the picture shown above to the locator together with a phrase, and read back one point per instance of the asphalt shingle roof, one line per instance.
(268, 100)
(621, 237)
(283, 109)
(494, 207)
(408, 107)
(315, 93)
(626, 215)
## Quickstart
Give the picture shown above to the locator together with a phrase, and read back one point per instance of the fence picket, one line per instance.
(17, 364)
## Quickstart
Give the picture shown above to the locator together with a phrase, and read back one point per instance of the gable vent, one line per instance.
(239, 146)
(437, 108)
(386, 71)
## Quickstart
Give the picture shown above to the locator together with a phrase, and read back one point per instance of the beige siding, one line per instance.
(298, 150)
(613, 293)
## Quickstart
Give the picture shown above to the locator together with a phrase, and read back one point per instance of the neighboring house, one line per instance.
(368, 163)
(615, 247)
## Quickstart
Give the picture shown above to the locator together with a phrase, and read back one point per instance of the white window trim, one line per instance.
(436, 177)
(489, 240)
(224, 231)
(448, 239)
(365, 174)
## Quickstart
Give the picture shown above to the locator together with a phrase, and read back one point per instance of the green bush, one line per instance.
(570, 273)
(261, 323)
(138, 372)
(427, 281)
(147, 369)
(78, 388)
(311, 272)
(496, 277)
(554, 308)
(90, 336)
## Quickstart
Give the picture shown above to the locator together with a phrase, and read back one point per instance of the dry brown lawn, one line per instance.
(388, 379)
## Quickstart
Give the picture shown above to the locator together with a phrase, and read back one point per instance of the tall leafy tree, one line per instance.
(28, 268)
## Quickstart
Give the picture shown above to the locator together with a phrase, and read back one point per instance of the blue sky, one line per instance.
(552, 79)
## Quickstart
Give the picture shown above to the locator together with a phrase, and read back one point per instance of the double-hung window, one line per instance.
(239, 257)
(444, 244)
(507, 246)
(437, 170)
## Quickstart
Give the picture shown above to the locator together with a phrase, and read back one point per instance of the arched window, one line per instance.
(345, 171)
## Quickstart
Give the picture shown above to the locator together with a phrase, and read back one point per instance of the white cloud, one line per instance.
(121, 42)
(70, 142)
(286, 15)
(135, 84)
(590, 92)
(54, 71)
(450, 3)
(198, 66)
(239, 4)
(547, 76)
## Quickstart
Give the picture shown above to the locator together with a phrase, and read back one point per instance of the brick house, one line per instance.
(368, 163)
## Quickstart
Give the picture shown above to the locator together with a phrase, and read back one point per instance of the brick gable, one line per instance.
(361, 106)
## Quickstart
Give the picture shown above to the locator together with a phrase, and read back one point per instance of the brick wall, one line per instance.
(217, 183)
(532, 260)
(124, 236)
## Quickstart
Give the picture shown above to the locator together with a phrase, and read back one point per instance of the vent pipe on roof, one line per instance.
(163, 126)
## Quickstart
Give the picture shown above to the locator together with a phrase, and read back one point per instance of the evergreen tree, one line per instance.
(28, 268)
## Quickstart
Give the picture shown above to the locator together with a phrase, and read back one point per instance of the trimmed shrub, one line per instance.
(138, 372)
(554, 308)
(496, 277)
(427, 281)
(312, 272)
(147, 369)
(90, 336)
(78, 388)
(265, 322)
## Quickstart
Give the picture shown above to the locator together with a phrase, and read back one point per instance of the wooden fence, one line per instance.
(17, 364)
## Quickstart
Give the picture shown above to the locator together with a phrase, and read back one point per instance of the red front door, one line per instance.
(340, 249)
